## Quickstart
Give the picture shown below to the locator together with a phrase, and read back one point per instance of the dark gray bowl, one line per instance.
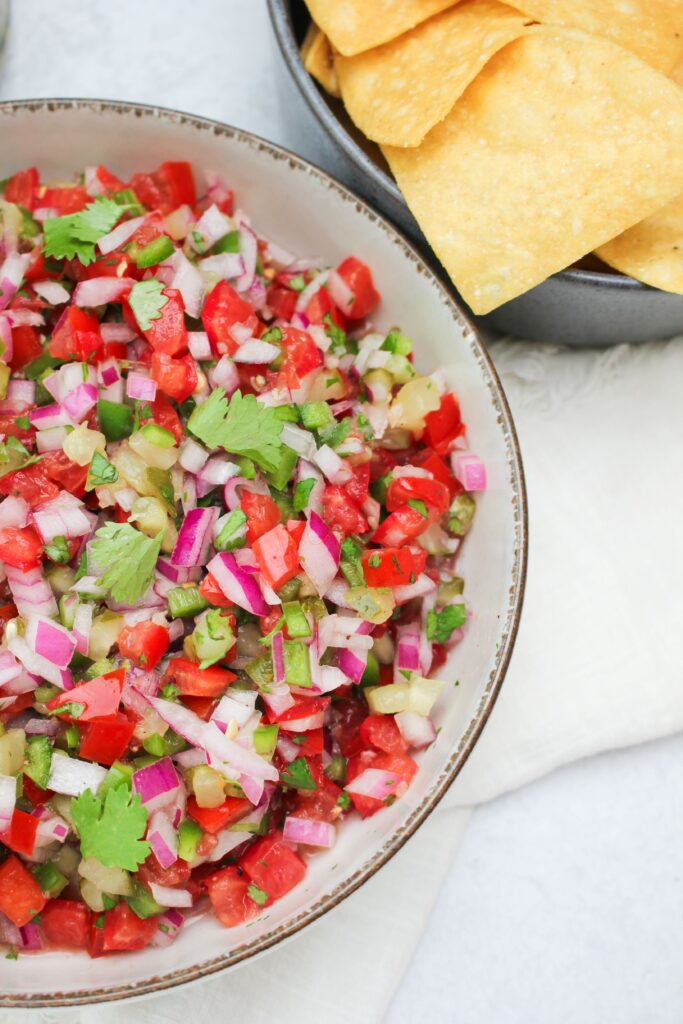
(574, 307)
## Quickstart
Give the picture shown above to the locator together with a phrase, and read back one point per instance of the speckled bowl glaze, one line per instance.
(308, 212)
(574, 307)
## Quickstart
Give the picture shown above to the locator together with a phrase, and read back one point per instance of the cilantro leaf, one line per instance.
(441, 624)
(125, 559)
(335, 334)
(147, 300)
(302, 493)
(101, 472)
(419, 506)
(112, 831)
(241, 425)
(298, 775)
(257, 895)
(58, 550)
(75, 234)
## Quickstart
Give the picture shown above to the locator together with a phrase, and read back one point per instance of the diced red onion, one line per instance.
(287, 749)
(11, 275)
(228, 710)
(13, 511)
(163, 839)
(257, 352)
(469, 470)
(98, 291)
(310, 290)
(353, 663)
(407, 649)
(237, 585)
(176, 573)
(157, 784)
(122, 332)
(30, 936)
(304, 724)
(224, 375)
(80, 402)
(41, 727)
(63, 516)
(334, 468)
(25, 318)
(120, 235)
(227, 265)
(140, 387)
(168, 926)
(306, 471)
(189, 282)
(376, 783)
(212, 225)
(417, 730)
(423, 585)
(51, 440)
(300, 441)
(194, 537)
(71, 776)
(9, 667)
(8, 798)
(199, 345)
(253, 788)
(227, 842)
(309, 831)
(51, 829)
(217, 471)
(278, 649)
(340, 631)
(319, 553)
(47, 416)
(249, 254)
(31, 593)
(340, 293)
(9, 933)
(50, 640)
(278, 700)
(169, 897)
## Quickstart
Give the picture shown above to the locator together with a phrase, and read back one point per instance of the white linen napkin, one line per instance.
(596, 667)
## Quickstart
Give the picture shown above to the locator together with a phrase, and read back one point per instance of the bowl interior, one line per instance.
(306, 211)
(291, 20)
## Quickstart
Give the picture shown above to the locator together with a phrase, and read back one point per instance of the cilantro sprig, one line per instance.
(125, 560)
(441, 624)
(112, 831)
(147, 300)
(298, 775)
(74, 235)
(241, 425)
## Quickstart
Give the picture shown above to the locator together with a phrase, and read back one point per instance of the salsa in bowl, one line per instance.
(236, 500)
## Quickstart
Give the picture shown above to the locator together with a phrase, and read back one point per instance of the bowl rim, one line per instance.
(510, 617)
(280, 11)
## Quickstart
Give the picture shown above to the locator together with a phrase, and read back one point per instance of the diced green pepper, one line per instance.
(297, 664)
(279, 477)
(228, 243)
(154, 434)
(50, 880)
(315, 415)
(336, 769)
(397, 343)
(379, 488)
(67, 610)
(99, 668)
(142, 902)
(38, 367)
(190, 835)
(156, 251)
(126, 197)
(286, 413)
(42, 694)
(116, 420)
(295, 620)
(289, 591)
(265, 739)
(39, 757)
(260, 670)
(447, 591)
(185, 602)
(118, 775)
(233, 532)
(351, 565)
(370, 676)
(461, 514)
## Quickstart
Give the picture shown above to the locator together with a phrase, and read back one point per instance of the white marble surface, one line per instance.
(564, 904)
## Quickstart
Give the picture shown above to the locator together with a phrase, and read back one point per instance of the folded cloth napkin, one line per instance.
(596, 666)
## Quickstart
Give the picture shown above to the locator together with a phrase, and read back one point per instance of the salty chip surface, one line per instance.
(396, 93)
(356, 25)
(562, 142)
(651, 251)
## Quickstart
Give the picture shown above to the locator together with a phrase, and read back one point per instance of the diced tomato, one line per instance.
(277, 555)
(302, 355)
(66, 200)
(106, 740)
(20, 895)
(214, 819)
(212, 593)
(152, 871)
(434, 464)
(382, 733)
(100, 697)
(272, 865)
(309, 744)
(123, 930)
(164, 415)
(108, 181)
(443, 425)
(22, 188)
(320, 804)
(357, 487)
(392, 567)
(167, 333)
(65, 923)
(403, 525)
(21, 834)
(69, 475)
(203, 707)
(167, 188)
(177, 378)
(228, 891)
(417, 488)
(321, 305)
(26, 346)
(195, 681)
(296, 528)
(20, 547)
(281, 301)
(77, 337)
(345, 725)
(33, 792)
(23, 701)
(31, 484)
(357, 276)
(304, 709)
(400, 764)
(262, 514)
(144, 644)
(341, 513)
(223, 308)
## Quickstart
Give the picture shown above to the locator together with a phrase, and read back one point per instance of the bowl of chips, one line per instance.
(535, 149)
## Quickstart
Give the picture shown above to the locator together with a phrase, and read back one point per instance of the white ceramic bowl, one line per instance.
(309, 213)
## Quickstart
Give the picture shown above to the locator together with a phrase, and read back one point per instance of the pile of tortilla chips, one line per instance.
(523, 136)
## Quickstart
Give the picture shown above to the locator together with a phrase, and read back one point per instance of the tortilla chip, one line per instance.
(318, 58)
(356, 25)
(651, 251)
(563, 141)
(653, 29)
(397, 92)
(677, 73)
